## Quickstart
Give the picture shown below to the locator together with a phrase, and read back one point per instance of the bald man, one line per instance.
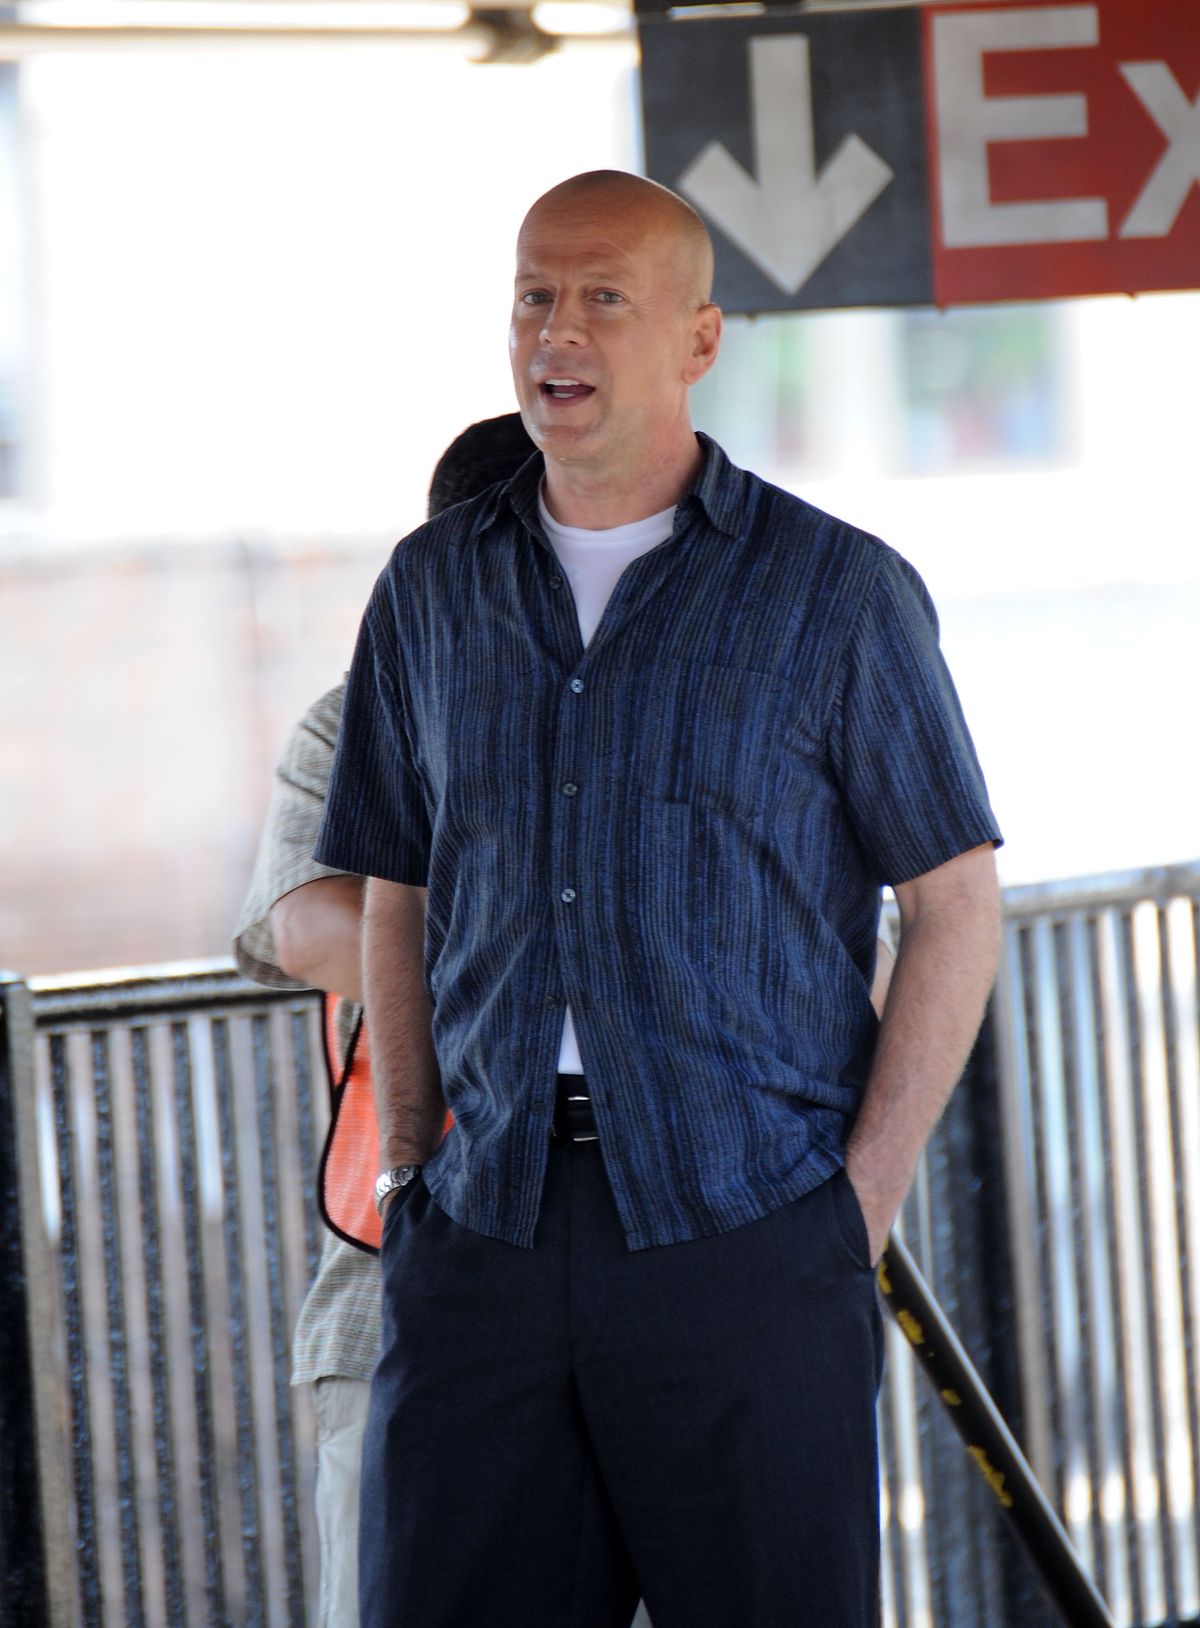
(629, 748)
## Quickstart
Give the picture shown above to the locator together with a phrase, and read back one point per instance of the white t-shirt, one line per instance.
(592, 562)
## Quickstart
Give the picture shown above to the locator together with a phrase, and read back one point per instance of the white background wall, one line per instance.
(1069, 595)
(274, 283)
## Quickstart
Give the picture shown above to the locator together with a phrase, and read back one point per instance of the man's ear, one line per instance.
(706, 341)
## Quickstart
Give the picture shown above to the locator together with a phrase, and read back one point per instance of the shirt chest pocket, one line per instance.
(709, 732)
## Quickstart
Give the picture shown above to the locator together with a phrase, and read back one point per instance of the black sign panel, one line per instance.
(802, 143)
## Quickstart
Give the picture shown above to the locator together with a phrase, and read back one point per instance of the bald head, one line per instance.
(661, 214)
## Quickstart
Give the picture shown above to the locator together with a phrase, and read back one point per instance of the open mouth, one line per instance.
(565, 389)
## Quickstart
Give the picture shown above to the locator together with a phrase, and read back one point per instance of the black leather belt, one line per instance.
(573, 1117)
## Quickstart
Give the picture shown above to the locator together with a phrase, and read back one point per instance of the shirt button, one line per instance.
(570, 789)
(567, 895)
(576, 686)
(556, 582)
(539, 1107)
(550, 1000)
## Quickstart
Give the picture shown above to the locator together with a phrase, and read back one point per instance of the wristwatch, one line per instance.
(398, 1176)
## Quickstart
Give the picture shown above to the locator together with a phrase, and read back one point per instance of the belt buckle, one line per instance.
(588, 1136)
(562, 1127)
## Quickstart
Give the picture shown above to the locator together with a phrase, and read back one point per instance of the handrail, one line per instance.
(95, 997)
(1154, 884)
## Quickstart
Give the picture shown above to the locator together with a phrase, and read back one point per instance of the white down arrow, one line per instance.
(790, 218)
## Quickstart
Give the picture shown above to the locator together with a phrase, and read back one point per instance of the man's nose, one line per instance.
(564, 323)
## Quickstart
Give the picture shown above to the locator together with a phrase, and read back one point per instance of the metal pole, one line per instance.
(989, 1441)
(22, 1548)
(35, 1576)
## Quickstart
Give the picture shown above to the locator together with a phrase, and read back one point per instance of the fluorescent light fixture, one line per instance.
(257, 14)
(579, 17)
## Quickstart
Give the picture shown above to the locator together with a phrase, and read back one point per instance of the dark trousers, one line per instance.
(554, 1431)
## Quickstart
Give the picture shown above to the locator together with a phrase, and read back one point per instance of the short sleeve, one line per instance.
(900, 745)
(285, 851)
(376, 822)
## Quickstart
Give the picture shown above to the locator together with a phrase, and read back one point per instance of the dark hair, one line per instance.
(483, 454)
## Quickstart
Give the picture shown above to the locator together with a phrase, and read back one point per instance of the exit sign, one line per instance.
(945, 154)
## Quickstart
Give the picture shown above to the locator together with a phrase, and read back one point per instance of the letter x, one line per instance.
(1158, 204)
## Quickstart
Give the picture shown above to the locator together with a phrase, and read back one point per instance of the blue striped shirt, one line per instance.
(681, 831)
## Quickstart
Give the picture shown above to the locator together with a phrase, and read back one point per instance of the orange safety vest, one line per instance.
(350, 1157)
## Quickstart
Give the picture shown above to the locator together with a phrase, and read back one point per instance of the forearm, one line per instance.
(948, 947)
(317, 929)
(408, 1090)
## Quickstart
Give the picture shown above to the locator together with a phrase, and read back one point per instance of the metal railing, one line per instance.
(174, 1124)
(158, 1139)
(1099, 1028)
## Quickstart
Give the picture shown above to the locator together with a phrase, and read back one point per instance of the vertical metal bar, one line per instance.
(888, 1586)
(86, 1546)
(1146, 1556)
(1098, 1304)
(1162, 1244)
(31, 1462)
(164, 1434)
(1121, 1495)
(1182, 997)
(1061, 1287)
(908, 1491)
(938, 1554)
(189, 1188)
(118, 1357)
(264, 1084)
(1160, 1072)
(243, 1397)
(303, 1074)
(1018, 1122)
(22, 1540)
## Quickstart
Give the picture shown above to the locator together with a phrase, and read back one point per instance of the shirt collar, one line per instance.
(521, 495)
(719, 488)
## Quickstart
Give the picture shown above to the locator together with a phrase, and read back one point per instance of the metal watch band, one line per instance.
(398, 1176)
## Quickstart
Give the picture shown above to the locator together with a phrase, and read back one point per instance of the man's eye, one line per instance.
(608, 296)
(534, 296)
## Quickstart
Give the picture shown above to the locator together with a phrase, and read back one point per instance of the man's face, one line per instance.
(602, 338)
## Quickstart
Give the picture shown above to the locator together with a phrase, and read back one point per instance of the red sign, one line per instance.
(1064, 147)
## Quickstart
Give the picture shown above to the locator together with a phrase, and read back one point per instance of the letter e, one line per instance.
(968, 122)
